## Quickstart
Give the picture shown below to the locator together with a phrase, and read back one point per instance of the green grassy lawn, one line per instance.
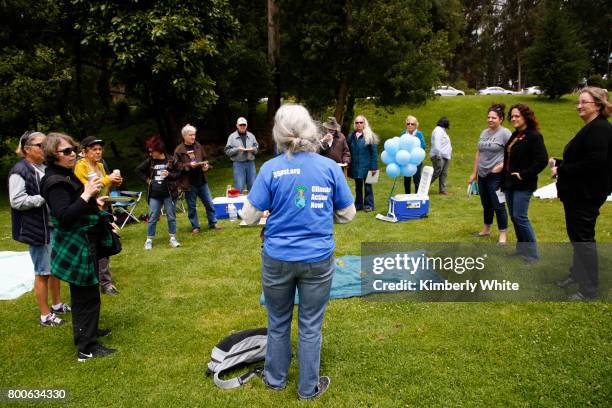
(176, 304)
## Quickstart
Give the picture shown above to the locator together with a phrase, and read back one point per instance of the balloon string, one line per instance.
(392, 188)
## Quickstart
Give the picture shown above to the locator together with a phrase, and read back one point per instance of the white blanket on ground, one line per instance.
(16, 274)
(550, 191)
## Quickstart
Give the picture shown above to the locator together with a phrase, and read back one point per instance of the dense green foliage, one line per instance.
(78, 65)
(176, 304)
(556, 59)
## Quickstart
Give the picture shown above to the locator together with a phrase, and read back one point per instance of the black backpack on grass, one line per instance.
(243, 347)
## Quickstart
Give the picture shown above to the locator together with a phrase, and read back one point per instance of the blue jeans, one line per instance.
(279, 281)
(362, 201)
(191, 197)
(487, 186)
(244, 174)
(41, 258)
(518, 205)
(155, 206)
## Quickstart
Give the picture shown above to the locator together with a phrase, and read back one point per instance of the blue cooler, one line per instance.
(221, 204)
(409, 206)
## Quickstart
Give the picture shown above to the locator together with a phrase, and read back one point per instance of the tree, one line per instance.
(44, 71)
(594, 19)
(338, 51)
(163, 51)
(242, 73)
(556, 60)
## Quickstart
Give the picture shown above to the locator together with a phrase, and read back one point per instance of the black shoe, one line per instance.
(321, 388)
(564, 283)
(103, 332)
(97, 351)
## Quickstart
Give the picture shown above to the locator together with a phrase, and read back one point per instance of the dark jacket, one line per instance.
(145, 172)
(586, 169)
(75, 227)
(30, 226)
(526, 154)
(363, 157)
(183, 163)
(338, 151)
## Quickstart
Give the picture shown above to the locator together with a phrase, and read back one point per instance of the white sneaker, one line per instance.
(148, 244)
(174, 243)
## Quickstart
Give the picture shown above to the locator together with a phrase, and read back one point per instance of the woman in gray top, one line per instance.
(488, 166)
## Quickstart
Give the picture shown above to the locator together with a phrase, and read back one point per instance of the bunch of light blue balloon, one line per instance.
(402, 155)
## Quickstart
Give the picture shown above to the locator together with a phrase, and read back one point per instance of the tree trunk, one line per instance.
(519, 66)
(341, 97)
(348, 115)
(274, 100)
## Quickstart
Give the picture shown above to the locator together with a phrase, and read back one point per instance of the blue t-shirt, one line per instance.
(301, 193)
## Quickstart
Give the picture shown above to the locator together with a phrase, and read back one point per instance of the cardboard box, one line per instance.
(409, 206)
(221, 204)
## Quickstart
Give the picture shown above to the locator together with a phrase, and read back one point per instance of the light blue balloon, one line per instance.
(393, 170)
(409, 170)
(417, 155)
(392, 146)
(402, 157)
(386, 157)
(405, 142)
(415, 142)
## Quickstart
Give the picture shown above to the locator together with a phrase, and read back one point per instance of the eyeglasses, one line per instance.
(39, 145)
(410, 124)
(584, 102)
(358, 123)
(67, 151)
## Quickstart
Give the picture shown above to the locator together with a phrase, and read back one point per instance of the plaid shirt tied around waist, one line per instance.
(72, 258)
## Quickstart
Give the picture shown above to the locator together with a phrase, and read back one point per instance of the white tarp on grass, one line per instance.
(550, 191)
(16, 274)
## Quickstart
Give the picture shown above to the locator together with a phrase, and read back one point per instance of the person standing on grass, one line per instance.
(525, 157)
(488, 166)
(412, 129)
(440, 153)
(305, 194)
(584, 181)
(160, 174)
(189, 157)
(32, 225)
(362, 143)
(89, 166)
(76, 240)
(333, 144)
(241, 148)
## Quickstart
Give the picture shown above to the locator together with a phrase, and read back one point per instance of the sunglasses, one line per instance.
(68, 151)
(410, 124)
(358, 123)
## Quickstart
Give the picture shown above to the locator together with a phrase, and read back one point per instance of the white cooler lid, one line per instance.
(410, 197)
(228, 200)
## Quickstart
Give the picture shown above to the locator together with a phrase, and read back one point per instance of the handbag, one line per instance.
(109, 242)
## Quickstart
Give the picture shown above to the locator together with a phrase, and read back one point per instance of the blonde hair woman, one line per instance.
(364, 158)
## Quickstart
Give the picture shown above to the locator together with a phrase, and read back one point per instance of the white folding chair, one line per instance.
(128, 207)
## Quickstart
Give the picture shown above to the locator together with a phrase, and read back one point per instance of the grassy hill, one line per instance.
(176, 304)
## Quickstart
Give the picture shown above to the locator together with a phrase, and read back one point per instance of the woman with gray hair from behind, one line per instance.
(305, 194)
